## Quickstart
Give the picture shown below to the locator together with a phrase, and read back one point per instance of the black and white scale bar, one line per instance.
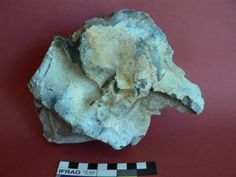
(106, 169)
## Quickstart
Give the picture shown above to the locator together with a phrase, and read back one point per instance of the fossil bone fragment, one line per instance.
(106, 80)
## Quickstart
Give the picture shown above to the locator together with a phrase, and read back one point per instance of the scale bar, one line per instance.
(70, 169)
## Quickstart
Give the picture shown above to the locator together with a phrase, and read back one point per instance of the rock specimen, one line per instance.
(106, 80)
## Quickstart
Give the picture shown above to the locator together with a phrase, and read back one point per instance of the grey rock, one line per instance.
(106, 80)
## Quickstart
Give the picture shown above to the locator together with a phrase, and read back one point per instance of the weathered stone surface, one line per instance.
(107, 79)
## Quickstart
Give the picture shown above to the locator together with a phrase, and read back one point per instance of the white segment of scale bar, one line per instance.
(107, 173)
(141, 165)
(63, 164)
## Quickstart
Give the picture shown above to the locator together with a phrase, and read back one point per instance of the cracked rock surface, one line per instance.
(106, 80)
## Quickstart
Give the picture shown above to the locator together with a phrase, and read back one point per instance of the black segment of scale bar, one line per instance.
(73, 165)
(131, 166)
(92, 166)
(112, 166)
